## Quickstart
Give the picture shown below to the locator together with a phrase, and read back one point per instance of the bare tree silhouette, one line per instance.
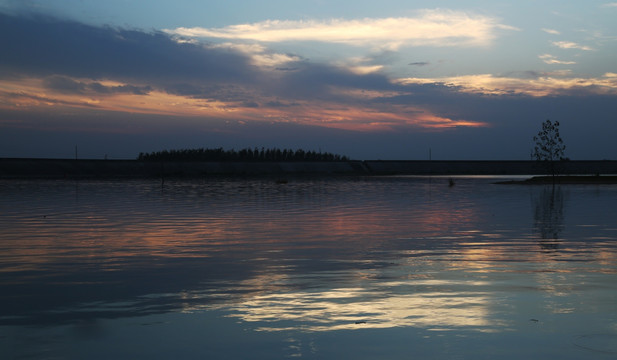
(549, 146)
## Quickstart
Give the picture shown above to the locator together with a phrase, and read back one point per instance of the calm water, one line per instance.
(371, 268)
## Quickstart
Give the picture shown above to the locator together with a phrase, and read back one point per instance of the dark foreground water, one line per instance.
(371, 268)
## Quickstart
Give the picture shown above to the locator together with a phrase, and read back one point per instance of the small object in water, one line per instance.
(451, 182)
(281, 181)
(534, 320)
(360, 322)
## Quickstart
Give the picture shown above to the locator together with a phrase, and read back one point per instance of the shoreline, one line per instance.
(19, 168)
(564, 180)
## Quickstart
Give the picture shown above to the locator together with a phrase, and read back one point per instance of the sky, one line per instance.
(390, 80)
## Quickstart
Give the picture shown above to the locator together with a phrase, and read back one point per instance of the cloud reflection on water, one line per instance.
(362, 308)
(310, 256)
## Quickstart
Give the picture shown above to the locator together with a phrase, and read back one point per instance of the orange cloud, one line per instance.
(31, 94)
(364, 118)
(354, 113)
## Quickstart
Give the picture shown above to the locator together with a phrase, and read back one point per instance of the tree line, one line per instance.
(247, 154)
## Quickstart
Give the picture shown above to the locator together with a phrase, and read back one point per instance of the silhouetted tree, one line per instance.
(549, 146)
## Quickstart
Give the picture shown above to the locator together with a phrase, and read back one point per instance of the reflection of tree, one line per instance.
(548, 216)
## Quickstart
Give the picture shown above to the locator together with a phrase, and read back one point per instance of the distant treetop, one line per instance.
(248, 154)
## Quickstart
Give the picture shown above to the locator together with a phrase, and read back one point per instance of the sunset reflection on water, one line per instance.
(361, 308)
(308, 257)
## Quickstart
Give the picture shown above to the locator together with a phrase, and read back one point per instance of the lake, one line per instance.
(317, 268)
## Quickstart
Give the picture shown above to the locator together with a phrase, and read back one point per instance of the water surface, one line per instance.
(376, 267)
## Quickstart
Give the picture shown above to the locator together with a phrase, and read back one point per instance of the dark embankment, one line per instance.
(67, 168)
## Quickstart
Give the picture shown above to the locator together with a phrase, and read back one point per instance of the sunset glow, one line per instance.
(461, 79)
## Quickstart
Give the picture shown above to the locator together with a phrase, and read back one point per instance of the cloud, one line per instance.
(62, 66)
(260, 56)
(429, 28)
(365, 69)
(551, 31)
(550, 59)
(61, 75)
(361, 65)
(65, 95)
(571, 45)
(613, 4)
(67, 85)
(549, 84)
(47, 46)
